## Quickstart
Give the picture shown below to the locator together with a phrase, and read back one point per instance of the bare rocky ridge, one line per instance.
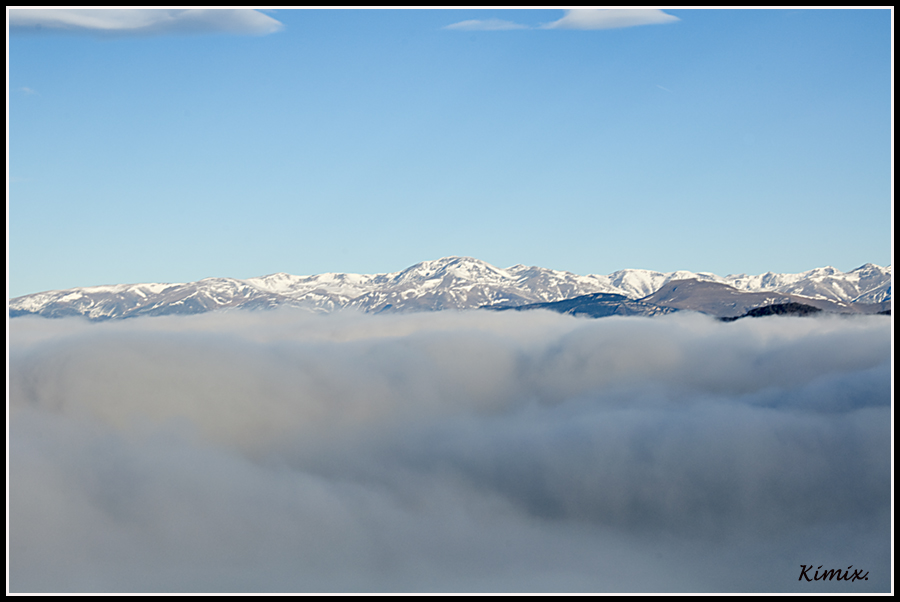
(467, 283)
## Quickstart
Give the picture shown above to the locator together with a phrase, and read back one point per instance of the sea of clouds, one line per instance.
(477, 451)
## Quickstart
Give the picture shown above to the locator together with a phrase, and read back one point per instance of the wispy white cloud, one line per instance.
(582, 18)
(27, 90)
(143, 22)
(611, 18)
(486, 25)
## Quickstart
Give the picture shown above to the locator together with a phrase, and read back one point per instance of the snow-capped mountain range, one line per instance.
(448, 283)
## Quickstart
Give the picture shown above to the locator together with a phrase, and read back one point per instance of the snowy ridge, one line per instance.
(864, 284)
(447, 283)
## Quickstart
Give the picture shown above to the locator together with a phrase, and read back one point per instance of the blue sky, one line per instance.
(241, 144)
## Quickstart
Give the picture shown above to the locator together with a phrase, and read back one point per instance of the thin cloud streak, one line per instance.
(486, 25)
(610, 18)
(474, 451)
(142, 22)
(583, 18)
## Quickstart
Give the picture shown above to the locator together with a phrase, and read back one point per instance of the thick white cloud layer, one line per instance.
(142, 21)
(279, 451)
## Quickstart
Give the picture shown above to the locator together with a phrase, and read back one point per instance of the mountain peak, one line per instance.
(466, 268)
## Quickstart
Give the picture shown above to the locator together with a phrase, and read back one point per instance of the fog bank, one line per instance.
(474, 451)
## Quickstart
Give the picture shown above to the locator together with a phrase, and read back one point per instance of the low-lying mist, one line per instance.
(476, 451)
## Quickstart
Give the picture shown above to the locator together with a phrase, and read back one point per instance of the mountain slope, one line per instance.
(722, 300)
(594, 305)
